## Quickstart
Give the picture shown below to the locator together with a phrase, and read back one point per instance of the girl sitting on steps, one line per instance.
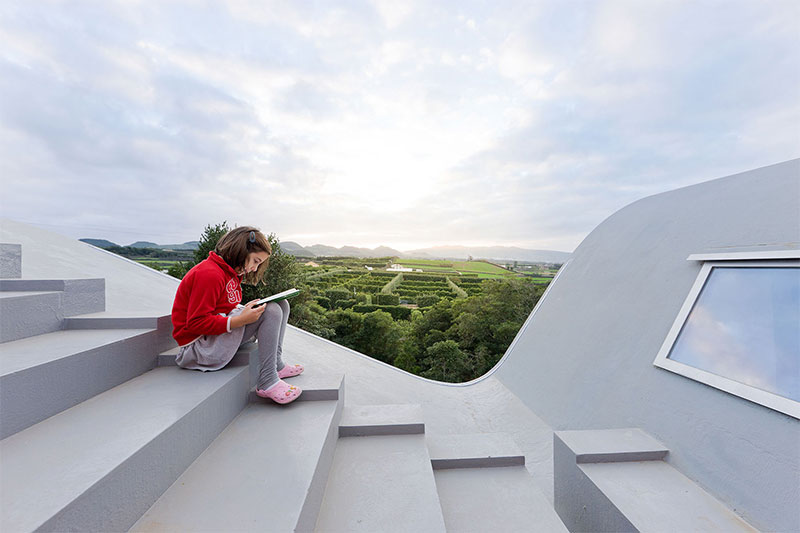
(209, 322)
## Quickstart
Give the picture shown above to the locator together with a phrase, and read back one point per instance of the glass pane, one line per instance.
(745, 326)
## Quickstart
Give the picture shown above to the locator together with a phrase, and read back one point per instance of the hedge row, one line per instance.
(397, 312)
(423, 277)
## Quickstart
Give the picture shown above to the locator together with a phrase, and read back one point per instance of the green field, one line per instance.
(166, 263)
(481, 268)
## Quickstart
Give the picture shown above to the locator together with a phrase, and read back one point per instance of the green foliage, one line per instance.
(346, 304)
(336, 295)
(389, 287)
(179, 269)
(379, 336)
(396, 311)
(406, 361)
(446, 362)
(387, 299)
(208, 240)
(346, 326)
(427, 300)
(456, 289)
(311, 317)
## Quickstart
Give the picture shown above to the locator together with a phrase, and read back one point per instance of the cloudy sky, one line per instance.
(401, 123)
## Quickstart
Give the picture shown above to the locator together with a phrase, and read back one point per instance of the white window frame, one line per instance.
(777, 259)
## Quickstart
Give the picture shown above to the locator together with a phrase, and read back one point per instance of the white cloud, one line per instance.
(512, 123)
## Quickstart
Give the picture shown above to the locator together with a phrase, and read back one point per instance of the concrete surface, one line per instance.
(477, 450)
(10, 260)
(257, 475)
(653, 496)
(494, 499)
(48, 255)
(381, 483)
(364, 420)
(101, 464)
(612, 445)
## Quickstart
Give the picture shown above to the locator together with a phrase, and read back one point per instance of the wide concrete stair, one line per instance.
(381, 476)
(266, 470)
(483, 485)
(59, 347)
(619, 480)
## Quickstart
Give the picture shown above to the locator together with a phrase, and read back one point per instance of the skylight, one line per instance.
(739, 331)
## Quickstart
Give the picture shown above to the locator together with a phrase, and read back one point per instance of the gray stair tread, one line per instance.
(253, 477)
(22, 294)
(46, 466)
(494, 499)
(648, 493)
(601, 445)
(371, 415)
(172, 351)
(477, 445)
(383, 484)
(25, 353)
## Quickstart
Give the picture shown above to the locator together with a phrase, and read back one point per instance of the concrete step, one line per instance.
(10, 260)
(381, 483)
(43, 375)
(494, 499)
(101, 464)
(477, 450)
(372, 420)
(266, 471)
(35, 306)
(654, 496)
(29, 313)
(617, 480)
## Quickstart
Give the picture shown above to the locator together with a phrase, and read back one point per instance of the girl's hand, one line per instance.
(248, 315)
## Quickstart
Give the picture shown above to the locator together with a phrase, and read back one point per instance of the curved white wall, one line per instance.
(586, 359)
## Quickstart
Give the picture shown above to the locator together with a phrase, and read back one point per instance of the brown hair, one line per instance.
(236, 245)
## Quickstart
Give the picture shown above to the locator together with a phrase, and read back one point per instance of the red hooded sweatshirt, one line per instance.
(210, 290)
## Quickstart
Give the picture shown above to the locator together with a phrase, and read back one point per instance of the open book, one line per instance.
(280, 296)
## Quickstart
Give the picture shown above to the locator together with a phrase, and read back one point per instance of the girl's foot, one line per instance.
(290, 370)
(281, 392)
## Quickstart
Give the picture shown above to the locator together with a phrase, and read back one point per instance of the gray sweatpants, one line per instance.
(213, 352)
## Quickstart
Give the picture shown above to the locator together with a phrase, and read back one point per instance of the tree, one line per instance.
(311, 317)
(208, 240)
(346, 326)
(379, 336)
(179, 269)
(446, 362)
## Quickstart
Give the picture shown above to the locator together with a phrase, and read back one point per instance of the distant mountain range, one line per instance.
(439, 252)
(504, 253)
(102, 243)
